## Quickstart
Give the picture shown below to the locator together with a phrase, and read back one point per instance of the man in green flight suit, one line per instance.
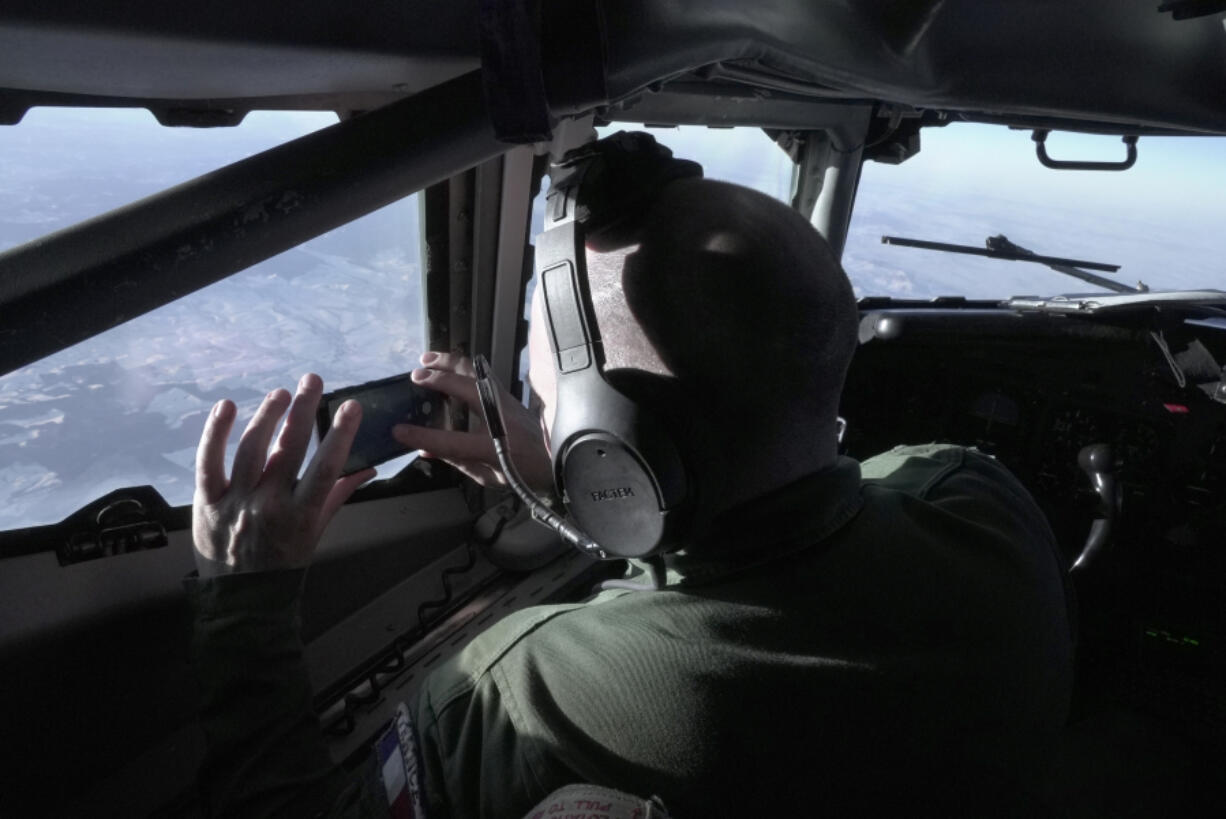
(833, 635)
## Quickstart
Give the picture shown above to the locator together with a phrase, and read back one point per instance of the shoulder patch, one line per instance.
(399, 761)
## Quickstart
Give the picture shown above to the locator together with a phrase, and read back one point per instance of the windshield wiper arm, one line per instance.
(999, 247)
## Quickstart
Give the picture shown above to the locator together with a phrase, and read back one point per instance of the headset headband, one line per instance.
(612, 182)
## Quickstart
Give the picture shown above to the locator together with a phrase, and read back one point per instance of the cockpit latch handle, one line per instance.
(1040, 138)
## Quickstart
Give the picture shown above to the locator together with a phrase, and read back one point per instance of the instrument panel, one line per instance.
(1036, 402)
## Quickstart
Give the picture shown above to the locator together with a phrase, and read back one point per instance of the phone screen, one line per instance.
(385, 403)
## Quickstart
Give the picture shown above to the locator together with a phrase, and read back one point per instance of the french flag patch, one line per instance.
(400, 767)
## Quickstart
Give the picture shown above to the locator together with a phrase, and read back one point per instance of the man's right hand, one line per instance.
(473, 452)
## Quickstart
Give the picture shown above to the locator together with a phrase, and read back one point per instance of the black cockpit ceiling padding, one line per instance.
(1095, 62)
(511, 71)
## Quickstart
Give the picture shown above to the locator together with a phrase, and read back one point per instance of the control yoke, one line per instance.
(1098, 462)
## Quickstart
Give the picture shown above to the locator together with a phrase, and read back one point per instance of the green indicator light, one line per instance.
(1166, 636)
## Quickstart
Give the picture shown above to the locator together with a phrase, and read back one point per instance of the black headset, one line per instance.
(620, 474)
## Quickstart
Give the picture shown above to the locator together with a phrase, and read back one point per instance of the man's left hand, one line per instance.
(264, 518)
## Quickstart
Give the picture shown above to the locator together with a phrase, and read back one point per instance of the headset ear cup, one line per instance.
(621, 475)
(612, 495)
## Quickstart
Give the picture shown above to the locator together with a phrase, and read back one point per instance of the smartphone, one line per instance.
(385, 403)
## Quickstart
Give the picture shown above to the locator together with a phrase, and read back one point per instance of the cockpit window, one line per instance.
(126, 407)
(1158, 221)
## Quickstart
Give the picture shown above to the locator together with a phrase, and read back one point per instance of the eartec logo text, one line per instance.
(612, 494)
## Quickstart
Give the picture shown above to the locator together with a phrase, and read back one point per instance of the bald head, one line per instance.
(733, 322)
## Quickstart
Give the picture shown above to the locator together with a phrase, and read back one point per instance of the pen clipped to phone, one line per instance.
(385, 403)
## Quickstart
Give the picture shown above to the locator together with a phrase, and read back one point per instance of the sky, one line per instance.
(125, 408)
(1158, 221)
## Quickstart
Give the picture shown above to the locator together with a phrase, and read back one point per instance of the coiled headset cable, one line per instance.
(487, 390)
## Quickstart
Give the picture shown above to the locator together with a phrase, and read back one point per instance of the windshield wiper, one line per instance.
(999, 247)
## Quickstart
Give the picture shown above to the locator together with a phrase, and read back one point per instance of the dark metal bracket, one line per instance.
(121, 526)
(133, 519)
(1040, 138)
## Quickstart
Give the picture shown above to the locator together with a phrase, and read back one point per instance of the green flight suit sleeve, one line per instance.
(265, 752)
(976, 487)
(1037, 604)
(483, 752)
(969, 484)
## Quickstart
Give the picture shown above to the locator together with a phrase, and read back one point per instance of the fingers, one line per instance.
(252, 449)
(291, 447)
(481, 473)
(448, 362)
(211, 454)
(454, 376)
(450, 445)
(340, 492)
(455, 385)
(312, 491)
